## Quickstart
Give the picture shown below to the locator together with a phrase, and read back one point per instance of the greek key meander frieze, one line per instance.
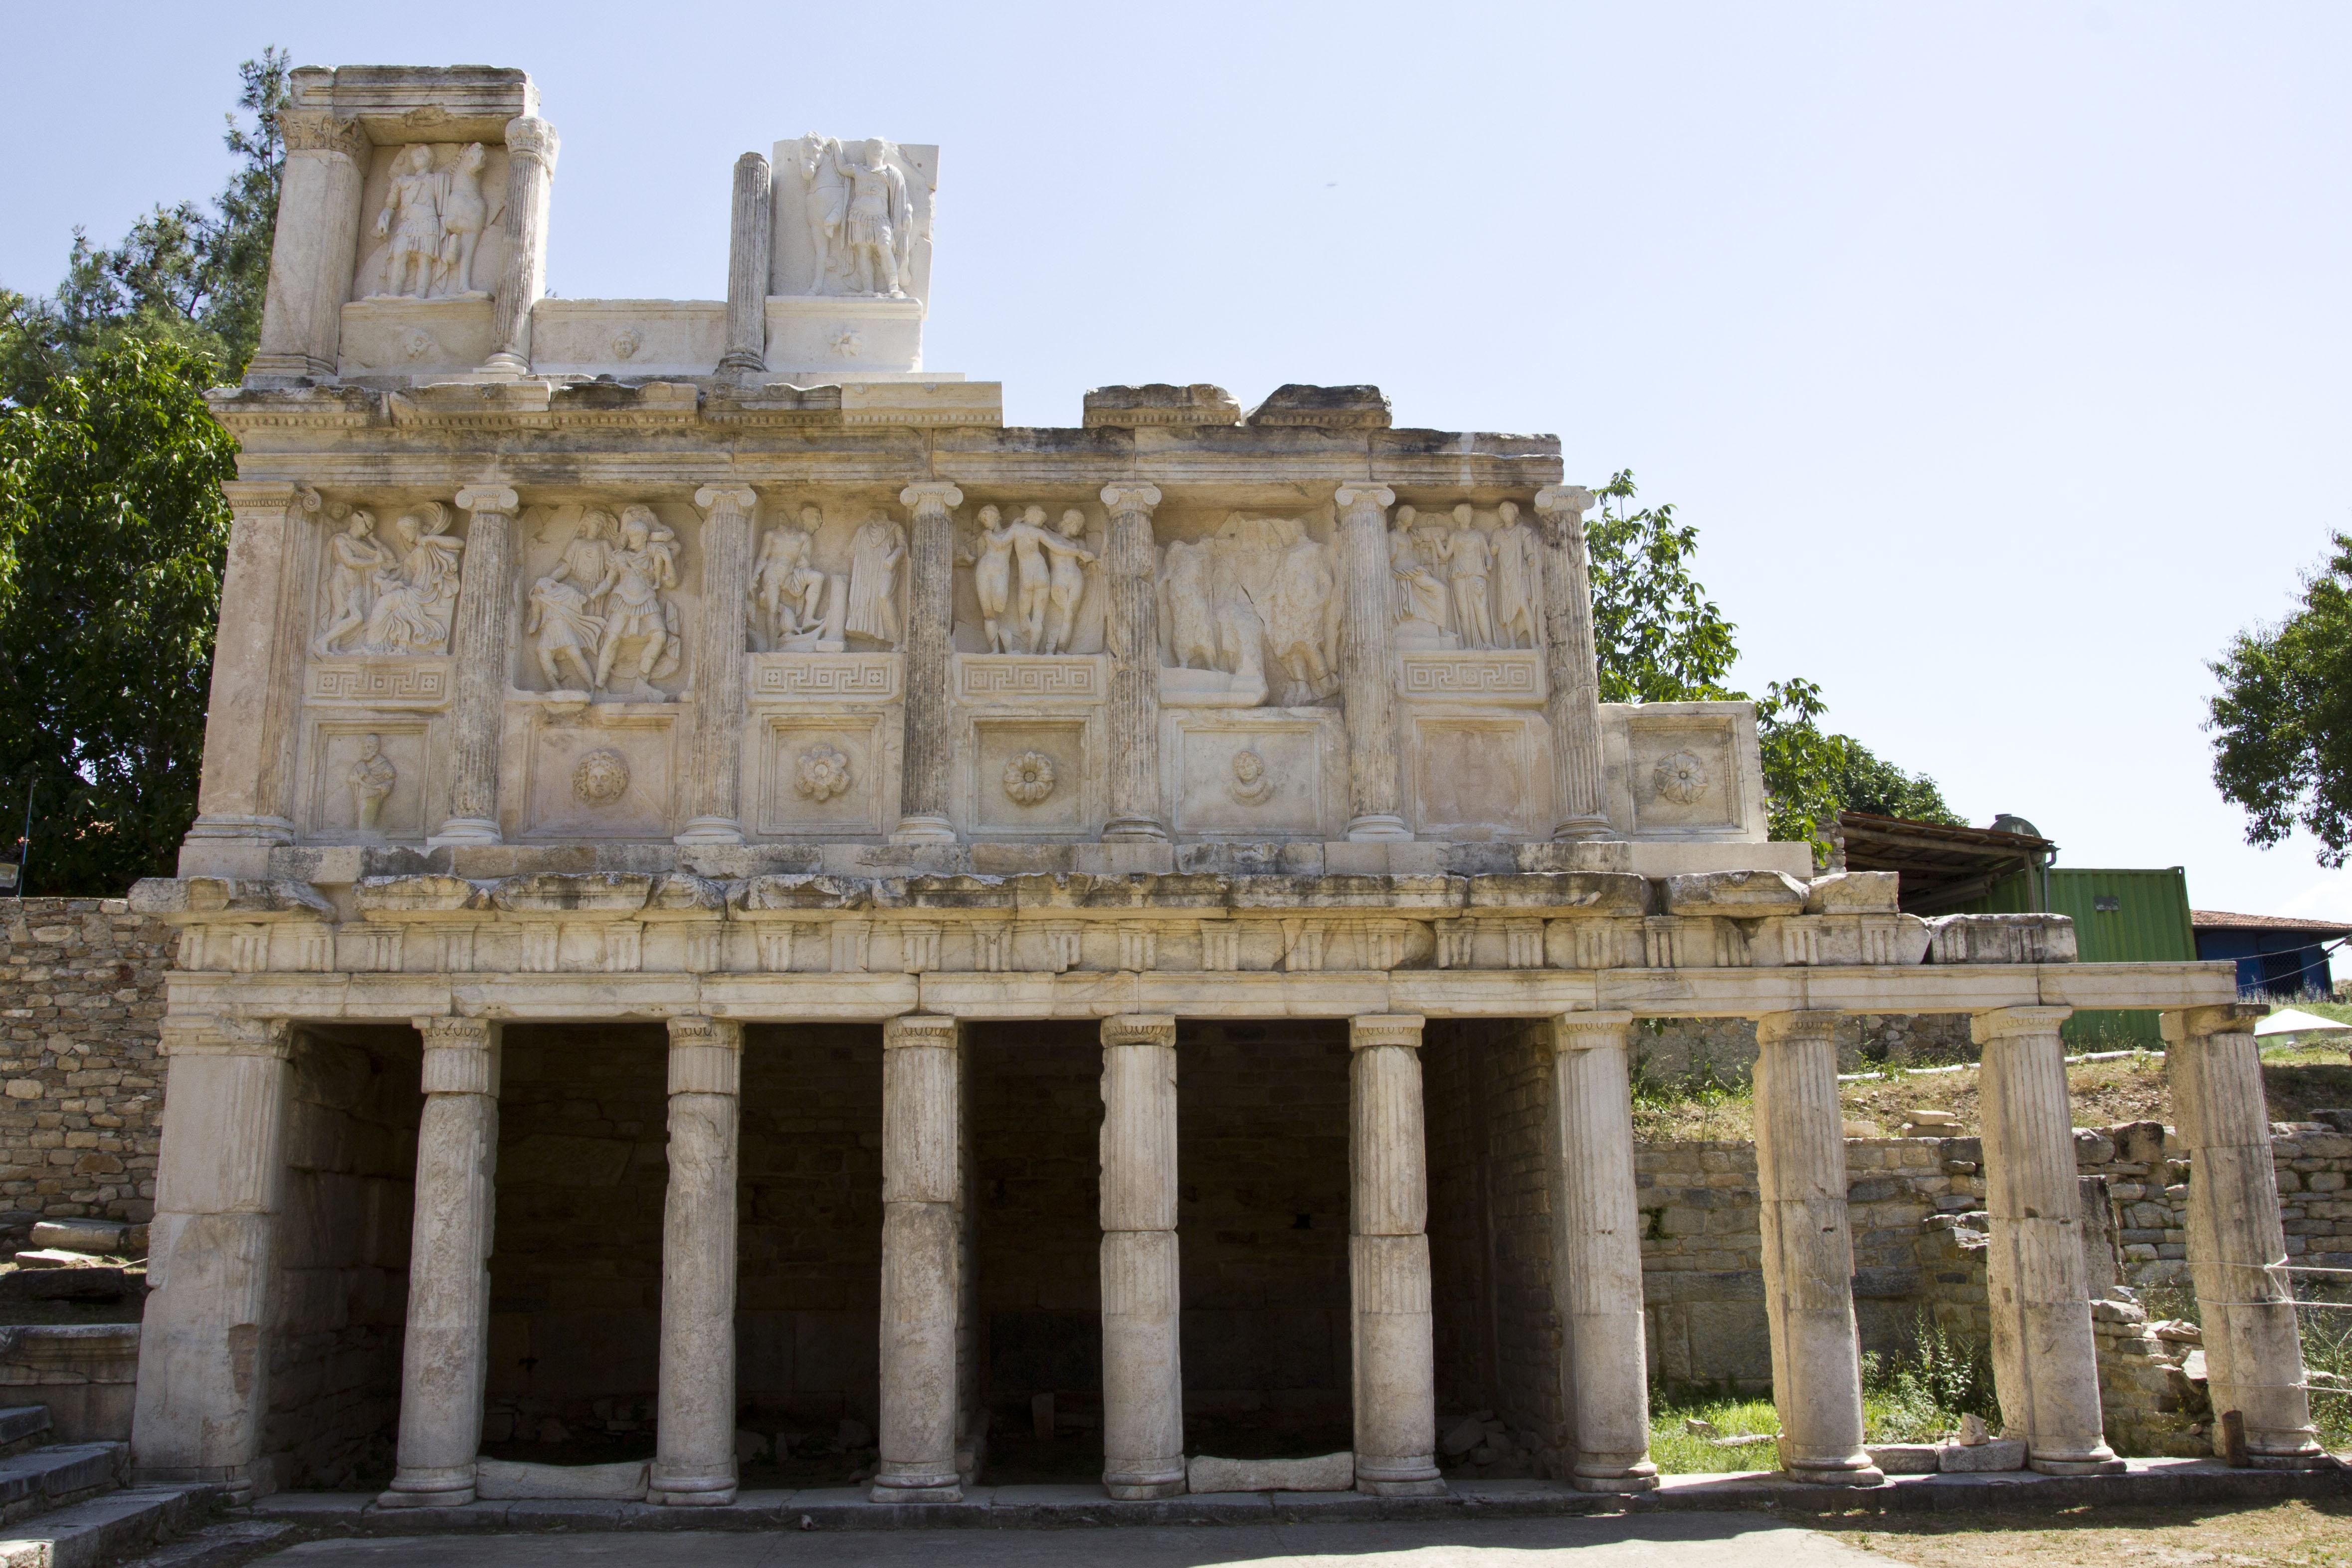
(1472, 677)
(402, 682)
(840, 677)
(982, 677)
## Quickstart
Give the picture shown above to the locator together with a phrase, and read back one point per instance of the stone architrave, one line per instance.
(922, 1259)
(748, 236)
(1366, 641)
(2254, 1354)
(444, 1359)
(477, 648)
(204, 1345)
(1808, 1251)
(245, 797)
(1597, 1256)
(1573, 704)
(532, 147)
(714, 782)
(1388, 1254)
(2045, 1364)
(1131, 636)
(928, 747)
(1143, 1380)
(694, 1462)
(317, 240)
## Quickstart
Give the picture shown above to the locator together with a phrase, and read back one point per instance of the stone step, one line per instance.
(229, 1544)
(107, 1529)
(59, 1473)
(22, 1426)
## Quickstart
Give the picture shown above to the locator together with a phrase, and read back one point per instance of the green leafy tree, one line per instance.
(2281, 722)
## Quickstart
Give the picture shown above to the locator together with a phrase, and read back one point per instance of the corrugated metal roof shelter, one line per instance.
(2277, 955)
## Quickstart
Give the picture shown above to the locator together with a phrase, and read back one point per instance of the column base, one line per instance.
(1133, 830)
(2312, 1458)
(1379, 827)
(1143, 1491)
(435, 1488)
(1641, 1477)
(923, 829)
(663, 1497)
(1401, 1488)
(743, 362)
(505, 365)
(2110, 1465)
(1581, 830)
(711, 830)
(285, 370)
(464, 830)
(950, 1491)
(1855, 1472)
(1410, 1475)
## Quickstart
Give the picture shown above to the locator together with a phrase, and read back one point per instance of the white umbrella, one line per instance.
(2295, 1021)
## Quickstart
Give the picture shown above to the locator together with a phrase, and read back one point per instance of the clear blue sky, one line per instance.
(1999, 351)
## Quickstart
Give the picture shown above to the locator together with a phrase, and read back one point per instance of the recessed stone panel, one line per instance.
(342, 775)
(1248, 774)
(1476, 777)
(1029, 775)
(826, 774)
(606, 771)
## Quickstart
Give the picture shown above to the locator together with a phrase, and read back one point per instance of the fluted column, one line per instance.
(311, 254)
(930, 608)
(478, 659)
(922, 1220)
(714, 786)
(1572, 708)
(1597, 1253)
(749, 235)
(1143, 1375)
(1388, 1257)
(204, 1346)
(694, 1457)
(1131, 634)
(1366, 641)
(245, 795)
(531, 146)
(2253, 1355)
(445, 1357)
(2045, 1364)
(1808, 1251)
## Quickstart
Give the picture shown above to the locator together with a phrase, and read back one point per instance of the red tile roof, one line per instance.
(2218, 919)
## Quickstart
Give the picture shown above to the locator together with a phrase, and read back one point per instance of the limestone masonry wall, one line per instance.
(82, 1087)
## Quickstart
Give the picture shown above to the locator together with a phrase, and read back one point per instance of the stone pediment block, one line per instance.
(1158, 402)
(1561, 892)
(1853, 893)
(393, 897)
(1742, 894)
(681, 893)
(2001, 939)
(1089, 891)
(246, 899)
(798, 891)
(566, 892)
(950, 892)
(1401, 894)
(1323, 408)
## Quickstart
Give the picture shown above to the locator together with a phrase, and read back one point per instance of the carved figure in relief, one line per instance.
(878, 231)
(589, 554)
(1302, 616)
(1519, 580)
(464, 215)
(416, 591)
(1473, 558)
(371, 780)
(356, 559)
(991, 579)
(1029, 544)
(1185, 607)
(875, 557)
(636, 614)
(1068, 581)
(1421, 593)
(788, 591)
(411, 219)
(562, 631)
(1251, 784)
(824, 210)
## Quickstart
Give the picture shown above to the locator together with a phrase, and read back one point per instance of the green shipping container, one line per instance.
(2120, 917)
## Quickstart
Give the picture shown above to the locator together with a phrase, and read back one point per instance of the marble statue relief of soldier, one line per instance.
(645, 564)
(411, 219)
(417, 589)
(878, 230)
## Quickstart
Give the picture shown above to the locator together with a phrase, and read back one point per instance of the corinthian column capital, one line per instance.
(317, 130)
(533, 138)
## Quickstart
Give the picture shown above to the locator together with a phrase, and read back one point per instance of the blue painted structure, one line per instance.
(2277, 955)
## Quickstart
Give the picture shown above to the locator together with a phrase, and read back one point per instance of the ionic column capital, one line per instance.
(1591, 1031)
(1986, 1027)
(932, 1029)
(738, 500)
(1138, 1029)
(489, 496)
(706, 1056)
(1130, 498)
(1796, 1029)
(933, 497)
(1356, 499)
(529, 136)
(1574, 498)
(1385, 1029)
(2229, 1018)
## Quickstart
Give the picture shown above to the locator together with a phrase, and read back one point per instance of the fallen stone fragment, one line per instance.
(508, 1480)
(1993, 1454)
(1327, 1473)
(1907, 1459)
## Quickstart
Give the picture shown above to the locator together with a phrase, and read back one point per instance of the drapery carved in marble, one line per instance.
(1464, 582)
(394, 596)
(861, 218)
(432, 222)
(1248, 613)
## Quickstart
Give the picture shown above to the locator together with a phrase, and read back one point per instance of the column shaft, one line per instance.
(1597, 1256)
(478, 659)
(928, 748)
(2045, 1362)
(693, 1459)
(1572, 706)
(532, 147)
(1367, 640)
(923, 1221)
(1144, 1379)
(310, 255)
(1808, 1251)
(1388, 1256)
(203, 1350)
(2254, 1353)
(714, 785)
(750, 234)
(1131, 634)
(445, 1358)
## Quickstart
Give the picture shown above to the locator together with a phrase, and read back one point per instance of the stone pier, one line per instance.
(922, 1258)
(695, 1465)
(1387, 1250)
(1143, 1375)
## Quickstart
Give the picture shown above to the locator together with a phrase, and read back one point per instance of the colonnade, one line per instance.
(198, 1418)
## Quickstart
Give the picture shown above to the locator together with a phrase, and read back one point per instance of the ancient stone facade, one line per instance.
(647, 691)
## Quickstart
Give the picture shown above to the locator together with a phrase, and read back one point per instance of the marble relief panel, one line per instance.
(826, 771)
(1676, 769)
(1029, 578)
(366, 778)
(830, 576)
(1477, 776)
(1265, 772)
(609, 592)
(1249, 610)
(588, 772)
(1031, 773)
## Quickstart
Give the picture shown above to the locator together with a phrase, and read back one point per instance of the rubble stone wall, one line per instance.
(1672, 1048)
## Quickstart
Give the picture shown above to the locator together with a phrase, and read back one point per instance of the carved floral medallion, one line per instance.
(1029, 777)
(1681, 778)
(821, 772)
